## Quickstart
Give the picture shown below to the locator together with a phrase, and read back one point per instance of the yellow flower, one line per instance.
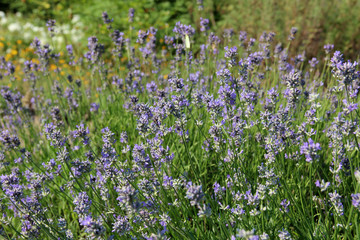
(53, 67)
(14, 52)
(19, 42)
(28, 49)
(8, 57)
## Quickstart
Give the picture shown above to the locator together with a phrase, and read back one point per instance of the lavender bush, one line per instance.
(190, 136)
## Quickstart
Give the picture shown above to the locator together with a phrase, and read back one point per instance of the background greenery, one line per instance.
(319, 21)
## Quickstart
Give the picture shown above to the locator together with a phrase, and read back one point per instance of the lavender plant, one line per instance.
(159, 137)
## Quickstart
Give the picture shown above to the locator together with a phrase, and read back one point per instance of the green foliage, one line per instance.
(319, 21)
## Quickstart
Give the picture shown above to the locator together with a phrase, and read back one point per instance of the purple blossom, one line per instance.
(242, 37)
(131, 15)
(322, 185)
(82, 132)
(313, 62)
(227, 94)
(106, 18)
(51, 26)
(121, 225)
(54, 135)
(293, 31)
(142, 35)
(93, 227)
(335, 200)
(94, 107)
(346, 72)
(310, 149)
(194, 193)
(10, 141)
(284, 206)
(230, 52)
(82, 204)
(284, 235)
(328, 48)
(356, 200)
(182, 30)
(204, 24)
(349, 107)
(95, 50)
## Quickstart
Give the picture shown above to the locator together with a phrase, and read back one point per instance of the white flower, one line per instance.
(3, 21)
(27, 36)
(357, 175)
(35, 29)
(14, 27)
(75, 19)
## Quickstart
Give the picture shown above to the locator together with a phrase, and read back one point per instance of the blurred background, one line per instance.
(319, 21)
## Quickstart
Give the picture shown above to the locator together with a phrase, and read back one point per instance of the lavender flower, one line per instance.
(346, 72)
(82, 204)
(51, 26)
(328, 48)
(322, 185)
(293, 31)
(194, 193)
(95, 50)
(200, 4)
(309, 149)
(227, 94)
(82, 132)
(131, 15)
(12, 99)
(106, 19)
(94, 107)
(93, 227)
(356, 200)
(228, 33)
(313, 62)
(182, 30)
(122, 225)
(335, 199)
(10, 141)
(284, 235)
(54, 135)
(204, 24)
(241, 233)
(284, 206)
(242, 38)
(230, 52)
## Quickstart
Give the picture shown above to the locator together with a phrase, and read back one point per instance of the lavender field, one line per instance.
(191, 135)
